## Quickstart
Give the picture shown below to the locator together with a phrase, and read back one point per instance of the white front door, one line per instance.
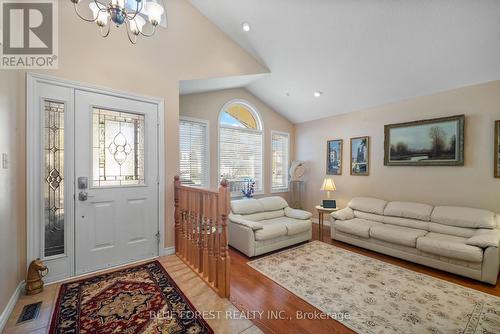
(116, 181)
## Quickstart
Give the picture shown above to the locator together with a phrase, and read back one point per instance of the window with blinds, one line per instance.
(280, 155)
(193, 148)
(240, 147)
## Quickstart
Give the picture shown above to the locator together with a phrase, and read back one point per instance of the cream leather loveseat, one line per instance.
(460, 240)
(258, 226)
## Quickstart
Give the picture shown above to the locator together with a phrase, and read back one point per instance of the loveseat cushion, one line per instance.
(273, 203)
(463, 217)
(258, 216)
(449, 246)
(485, 238)
(356, 226)
(238, 219)
(297, 214)
(409, 210)
(246, 206)
(368, 204)
(271, 229)
(297, 226)
(397, 234)
(407, 222)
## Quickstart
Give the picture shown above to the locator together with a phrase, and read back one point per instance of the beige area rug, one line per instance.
(379, 297)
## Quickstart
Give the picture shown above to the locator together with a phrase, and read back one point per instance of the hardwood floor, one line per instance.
(250, 290)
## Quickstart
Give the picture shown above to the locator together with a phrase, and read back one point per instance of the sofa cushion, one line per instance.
(397, 234)
(452, 230)
(368, 204)
(238, 219)
(369, 216)
(264, 215)
(463, 217)
(273, 203)
(356, 226)
(297, 226)
(434, 243)
(407, 222)
(246, 206)
(344, 214)
(409, 210)
(271, 229)
(297, 214)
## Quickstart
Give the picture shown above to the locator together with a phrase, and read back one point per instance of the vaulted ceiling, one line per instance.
(361, 53)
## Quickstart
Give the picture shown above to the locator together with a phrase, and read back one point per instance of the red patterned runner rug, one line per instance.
(140, 299)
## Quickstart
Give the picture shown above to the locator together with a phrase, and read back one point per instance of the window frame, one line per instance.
(260, 125)
(280, 190)
(207, 148)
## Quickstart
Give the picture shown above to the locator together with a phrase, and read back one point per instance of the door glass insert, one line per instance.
(53, 183)
(118, 148)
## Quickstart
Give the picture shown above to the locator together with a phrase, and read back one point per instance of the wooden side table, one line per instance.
(321, 212)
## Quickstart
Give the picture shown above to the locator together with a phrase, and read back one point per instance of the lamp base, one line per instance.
(329, 204)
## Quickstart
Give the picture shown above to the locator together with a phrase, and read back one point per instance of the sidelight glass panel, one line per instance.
(118, 148)
(53, 183)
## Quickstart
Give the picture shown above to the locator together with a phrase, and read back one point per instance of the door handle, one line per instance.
(83, 196)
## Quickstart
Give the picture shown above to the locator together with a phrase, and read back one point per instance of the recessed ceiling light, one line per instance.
(246, 27)
(318, 93)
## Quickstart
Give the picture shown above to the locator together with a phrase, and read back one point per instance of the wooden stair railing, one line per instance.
(201, 232)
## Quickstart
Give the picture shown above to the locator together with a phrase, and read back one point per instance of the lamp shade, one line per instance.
(328, 185)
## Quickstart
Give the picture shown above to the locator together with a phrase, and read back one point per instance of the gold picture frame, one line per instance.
(359, 165)
(496, 166)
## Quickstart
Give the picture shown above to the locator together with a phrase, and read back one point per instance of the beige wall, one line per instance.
(208, 105)
(192, 47)
(11, 185)
(472, 185)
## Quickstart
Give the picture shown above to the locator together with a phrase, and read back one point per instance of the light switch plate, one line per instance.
(5, 161)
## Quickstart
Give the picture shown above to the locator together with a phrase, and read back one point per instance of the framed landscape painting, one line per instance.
(497, 149)
(360, 156)
(334, 157)
(432, 142)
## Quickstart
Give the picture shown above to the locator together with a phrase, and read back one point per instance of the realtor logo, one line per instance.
(29, 34)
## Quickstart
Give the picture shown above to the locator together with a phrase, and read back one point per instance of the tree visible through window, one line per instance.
(240, 146)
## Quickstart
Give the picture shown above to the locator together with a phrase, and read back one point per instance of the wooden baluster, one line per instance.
(177, 215)
(224, 263)
(204, 251)
(213, 239)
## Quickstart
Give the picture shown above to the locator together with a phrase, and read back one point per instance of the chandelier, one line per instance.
(134, 14)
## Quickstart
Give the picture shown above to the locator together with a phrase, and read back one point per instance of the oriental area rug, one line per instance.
(371, 296)
(140, 299)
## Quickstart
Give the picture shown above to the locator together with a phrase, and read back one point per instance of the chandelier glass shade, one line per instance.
(140, 17)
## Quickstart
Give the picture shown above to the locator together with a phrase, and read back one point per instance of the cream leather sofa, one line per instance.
(258, 226)
(460, 240)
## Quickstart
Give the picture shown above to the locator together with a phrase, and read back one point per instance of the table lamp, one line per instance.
(329, 185)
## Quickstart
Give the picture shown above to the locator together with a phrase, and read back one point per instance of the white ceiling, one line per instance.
(361, 53)
(212, 84)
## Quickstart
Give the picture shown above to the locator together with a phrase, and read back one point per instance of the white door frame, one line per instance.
(33, 163)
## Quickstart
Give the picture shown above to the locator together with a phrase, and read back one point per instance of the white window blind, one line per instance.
(193, 147)
(240, 157)
(280, 155)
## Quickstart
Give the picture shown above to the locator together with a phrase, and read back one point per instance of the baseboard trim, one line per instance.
(169, 251)
(316, 221)
(10, 305)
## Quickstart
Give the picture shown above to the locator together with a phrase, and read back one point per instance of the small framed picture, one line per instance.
(334, 157)
(497, 149)
(360, 156)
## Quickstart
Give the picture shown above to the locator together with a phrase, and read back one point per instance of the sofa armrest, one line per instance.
(297, 214)
(238, 219)
(485, 238)
(344, 214)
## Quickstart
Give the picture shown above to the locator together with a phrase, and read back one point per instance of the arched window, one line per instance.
(240, 145)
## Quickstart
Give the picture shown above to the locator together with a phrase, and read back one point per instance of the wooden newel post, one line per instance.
(177, 215)
(224, 260)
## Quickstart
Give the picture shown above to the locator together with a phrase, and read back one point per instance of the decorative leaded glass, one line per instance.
(53, 185)
(118, 148)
